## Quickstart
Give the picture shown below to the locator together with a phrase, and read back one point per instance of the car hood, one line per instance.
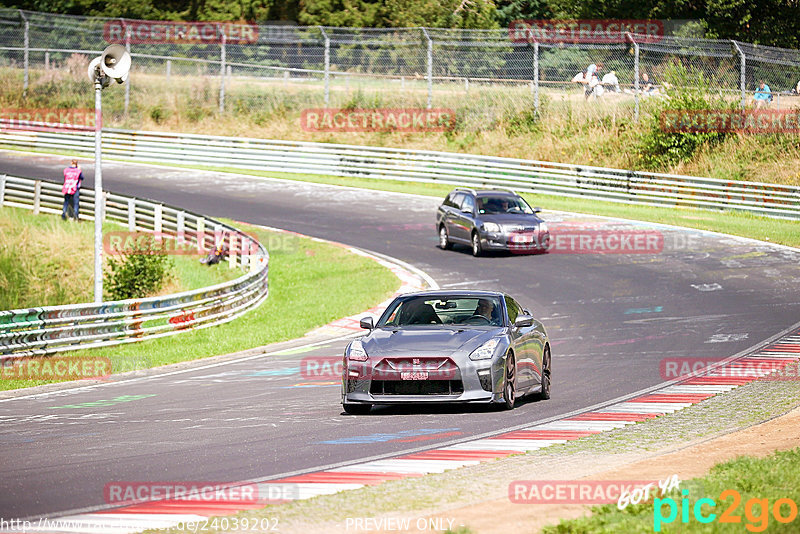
(511, 218)
(422, 341)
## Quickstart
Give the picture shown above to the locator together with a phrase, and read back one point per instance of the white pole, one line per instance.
(128, 79)
(98, 193)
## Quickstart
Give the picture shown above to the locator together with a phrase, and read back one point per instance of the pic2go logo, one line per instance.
(756, 511)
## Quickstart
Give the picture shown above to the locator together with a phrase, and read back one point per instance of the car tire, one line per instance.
(357, 409)
(546, 372)
(444, 239)
(510, 383)
(476, 244)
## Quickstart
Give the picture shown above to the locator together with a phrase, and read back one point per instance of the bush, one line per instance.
(687, 89)
(160, 114)
(140, 273)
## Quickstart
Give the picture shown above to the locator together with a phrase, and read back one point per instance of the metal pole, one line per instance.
(430, 68)
(327, 66)
(222, 75)
(128, 79)
(635, 77)
(26, 52)
(98, 193)
(536, 77)
(742, 73)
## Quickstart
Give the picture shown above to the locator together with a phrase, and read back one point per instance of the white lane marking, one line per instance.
(583, 425)
(707, 287)
(486, 445)
(648, 407)
(531, 444)
(406, 466)
(697, 388)
(782, 355)
(726, 338)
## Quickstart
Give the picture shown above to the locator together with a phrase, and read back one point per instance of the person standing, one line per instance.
(72, 189)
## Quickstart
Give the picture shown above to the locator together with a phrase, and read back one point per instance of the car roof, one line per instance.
(454, 293)
(484, 192)
(496, 193)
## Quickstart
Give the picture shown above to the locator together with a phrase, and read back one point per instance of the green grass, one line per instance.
(771, 478)
(45, 261)
(311, 284)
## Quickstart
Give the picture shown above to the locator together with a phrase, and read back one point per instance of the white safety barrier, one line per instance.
(51, 329)
(611, 185)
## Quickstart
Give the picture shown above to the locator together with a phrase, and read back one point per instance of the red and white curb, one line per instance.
(773, 358)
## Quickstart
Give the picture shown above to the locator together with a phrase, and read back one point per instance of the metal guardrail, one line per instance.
(51, 329)
(597, 183)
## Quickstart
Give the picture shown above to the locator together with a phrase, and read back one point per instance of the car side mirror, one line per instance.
(537, 210)
(466, 210)
(367, 324)
(523, 321)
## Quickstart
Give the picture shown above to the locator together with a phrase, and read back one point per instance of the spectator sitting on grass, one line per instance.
(763, 96)
(646, 85)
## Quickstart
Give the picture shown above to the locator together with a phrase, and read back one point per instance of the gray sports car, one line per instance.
(447, 346)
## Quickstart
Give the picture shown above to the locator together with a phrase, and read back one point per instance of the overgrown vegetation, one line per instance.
(687, 90)
(45, 261)
(489, 120)
(138, 273)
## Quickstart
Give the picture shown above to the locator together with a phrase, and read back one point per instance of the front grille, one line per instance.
(441, 366)
(417, 387)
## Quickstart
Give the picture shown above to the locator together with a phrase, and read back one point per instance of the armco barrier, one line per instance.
(612, 185)
(51, 329)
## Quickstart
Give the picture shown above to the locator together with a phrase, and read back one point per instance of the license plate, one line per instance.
(420, 375)
(522, 238)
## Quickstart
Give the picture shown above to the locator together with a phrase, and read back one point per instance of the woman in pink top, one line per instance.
(72, 189)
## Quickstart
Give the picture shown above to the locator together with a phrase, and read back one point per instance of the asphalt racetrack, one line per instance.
(612, 319)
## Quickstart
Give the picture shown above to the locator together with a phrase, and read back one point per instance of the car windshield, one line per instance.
(503, 204)
(478, 311)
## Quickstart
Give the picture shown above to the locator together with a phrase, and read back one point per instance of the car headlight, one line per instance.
(491, 227)
(543, 227)
(356, 351)
(485, 351)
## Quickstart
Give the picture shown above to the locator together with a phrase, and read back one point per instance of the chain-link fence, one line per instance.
(483, 74)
